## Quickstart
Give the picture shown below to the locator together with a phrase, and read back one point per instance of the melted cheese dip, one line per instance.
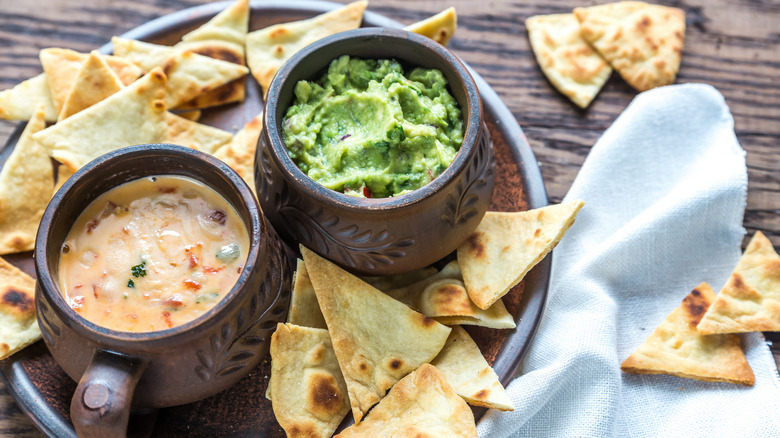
(152, 254)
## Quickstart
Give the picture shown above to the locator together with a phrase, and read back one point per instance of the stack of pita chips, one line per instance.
(699, 340)
(642, 41)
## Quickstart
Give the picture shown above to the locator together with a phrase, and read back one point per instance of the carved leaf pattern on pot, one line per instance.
(240, 340)
(460, 207)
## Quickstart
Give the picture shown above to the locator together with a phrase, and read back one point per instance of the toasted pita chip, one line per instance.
(223, 37)
(267, 49)
(422, 404)
(18, 326)
(94, 82)
(194, 135)
(643, 42)
(410, 293)
(567, 60)
(308, 391)
(21, 101)
(62, 67)
(135, 115)
(304, 308)
(26, 185)
(189, 74)
(377, 339)
(464, 367)
(239, 153)
(439, 27)
(505, 246)
(750, 300)
(192, 116)
(448, 302)
(676, 348)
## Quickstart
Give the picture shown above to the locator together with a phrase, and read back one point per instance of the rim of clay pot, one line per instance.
(471, 110)
(74, 192)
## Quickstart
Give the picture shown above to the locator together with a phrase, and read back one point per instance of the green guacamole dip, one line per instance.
(366, 129)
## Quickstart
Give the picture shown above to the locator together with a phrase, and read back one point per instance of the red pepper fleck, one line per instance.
(77, 303)
(166, 189)
(239, 269)
(78, 286)
(218, 216)
(430, 173)
(367, 192)
(91, 225)
(193, 261)
(192, 284)
(210, 270)
(167, 316)
(95, 289)
(174, 301)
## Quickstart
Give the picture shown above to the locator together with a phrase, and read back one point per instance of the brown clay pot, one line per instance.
(385, 235)
(119, 370)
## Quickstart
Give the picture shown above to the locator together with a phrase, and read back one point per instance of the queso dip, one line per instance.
(152, 254)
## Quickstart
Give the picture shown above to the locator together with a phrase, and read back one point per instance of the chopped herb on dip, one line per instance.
(369, 130)
(186, 236)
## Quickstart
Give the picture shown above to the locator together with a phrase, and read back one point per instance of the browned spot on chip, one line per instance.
(307, 430)
(220, 53)
(277, 33)
(324, 394)
(318, 354)
(279, 50)
(476, 245)
(772, 268)
(741, 289)
(168, 66)
(18, 300)
(696, 305)
(678, 34)
(363, 366)
(396, 364)
(482, 394)
(538, 232)
(427, 322)
(442, 35)
(540, 215)
(643, 24)
(227, 91)
(4, 347)
(17, 242)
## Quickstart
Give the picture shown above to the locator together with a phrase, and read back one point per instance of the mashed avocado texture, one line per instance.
(366, 129)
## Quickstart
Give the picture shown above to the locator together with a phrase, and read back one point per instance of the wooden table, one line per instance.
(731, 44)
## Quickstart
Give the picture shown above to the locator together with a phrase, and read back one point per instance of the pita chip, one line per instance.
(22, 101)
(239, 153)
(568, 61)
(439, 27)
(189, 74)
(94, 82)
(410, 293)
(750, 300)
(134, 115)
(676, 348)
(62, 66)
(463, 366)
(304, 308)
(18, 325)
(192, 116)
(63, 173)
(448, 302)
(505, 246)
(307, 390)
(223, 37)
(642, 41)
(377, 339)
(26, 186)
(422, 404)
(267, 49)
(194, 135)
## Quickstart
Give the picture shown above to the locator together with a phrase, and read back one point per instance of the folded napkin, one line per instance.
(665, 191)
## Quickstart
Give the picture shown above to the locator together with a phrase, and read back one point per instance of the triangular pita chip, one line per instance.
(439, 27)
(676, 348)
(448, 302)
(94, 82)
(189, 74)
(505, 246)
(194, 135)
(239, 153)
(410, 293)
(63, 65)
(18, 326)
(377, 339)
(469, 374)
(135, 115)
(26, 185)
(750, 300)
(223, 37)
(267, 49)
(192, 116)
(422, 404)
(21, 101)
(308, 391)
(643, 42)
(567, 60)
(304, 308)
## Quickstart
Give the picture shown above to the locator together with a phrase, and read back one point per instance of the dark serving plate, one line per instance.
(43, 390)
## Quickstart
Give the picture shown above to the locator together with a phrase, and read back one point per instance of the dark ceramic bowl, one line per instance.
(117, 370)
(385, 235)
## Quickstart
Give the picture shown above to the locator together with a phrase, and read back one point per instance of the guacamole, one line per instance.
(367, 129)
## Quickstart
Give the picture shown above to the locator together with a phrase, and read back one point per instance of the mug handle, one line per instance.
(101, 404)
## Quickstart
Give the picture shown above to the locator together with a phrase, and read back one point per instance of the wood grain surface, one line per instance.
(733, 45)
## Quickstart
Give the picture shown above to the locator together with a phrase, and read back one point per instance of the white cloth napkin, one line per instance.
(665, 191)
